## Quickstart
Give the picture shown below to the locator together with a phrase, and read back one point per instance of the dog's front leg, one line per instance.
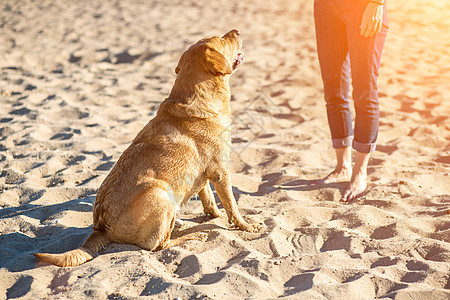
(222, 184)
(208, 201)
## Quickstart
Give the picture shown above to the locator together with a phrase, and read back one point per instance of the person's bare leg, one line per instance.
(358, 182)
(343, 169)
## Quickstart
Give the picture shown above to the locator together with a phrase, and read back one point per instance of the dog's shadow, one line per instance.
(36, 236)
(17, 247)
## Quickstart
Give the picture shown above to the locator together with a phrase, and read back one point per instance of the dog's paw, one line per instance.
(249, 227)
(213, 213)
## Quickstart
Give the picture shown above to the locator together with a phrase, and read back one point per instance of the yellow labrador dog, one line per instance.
(173, 157)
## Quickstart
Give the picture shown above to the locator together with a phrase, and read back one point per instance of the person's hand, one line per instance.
(372, 20)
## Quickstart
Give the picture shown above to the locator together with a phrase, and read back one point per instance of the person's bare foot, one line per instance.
(339, 174)
(343, 169)
(355, 188)
(336, 175)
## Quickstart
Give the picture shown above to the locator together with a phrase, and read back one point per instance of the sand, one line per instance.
(80, 78)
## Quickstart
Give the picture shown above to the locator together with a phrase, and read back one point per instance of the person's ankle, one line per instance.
(344, 168)
(359, 174)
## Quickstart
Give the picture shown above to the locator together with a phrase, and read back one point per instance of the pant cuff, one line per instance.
(364, 147)
(342, 142)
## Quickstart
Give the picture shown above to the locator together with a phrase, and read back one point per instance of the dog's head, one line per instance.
(216, 55)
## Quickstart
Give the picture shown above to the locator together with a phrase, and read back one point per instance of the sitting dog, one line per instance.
(176, 155)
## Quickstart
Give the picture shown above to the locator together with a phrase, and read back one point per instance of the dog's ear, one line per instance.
(216, 62)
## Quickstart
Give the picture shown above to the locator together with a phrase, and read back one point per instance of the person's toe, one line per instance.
(346, 195)
(351, 195)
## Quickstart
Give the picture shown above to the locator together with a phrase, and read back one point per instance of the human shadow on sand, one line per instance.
(271, 184)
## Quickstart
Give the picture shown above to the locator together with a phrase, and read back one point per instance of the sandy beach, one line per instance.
(79, 79)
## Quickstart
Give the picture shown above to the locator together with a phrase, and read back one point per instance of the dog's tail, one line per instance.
(96, 241)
